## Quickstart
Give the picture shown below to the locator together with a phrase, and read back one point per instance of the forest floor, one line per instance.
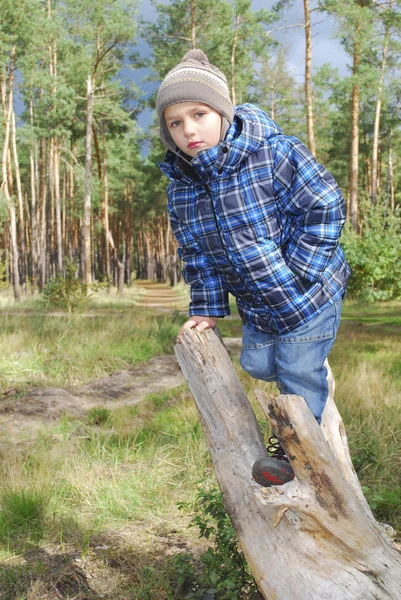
(112, 528)
(22, 416)
(51, 571)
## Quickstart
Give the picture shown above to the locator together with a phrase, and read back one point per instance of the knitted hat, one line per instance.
(194, 79)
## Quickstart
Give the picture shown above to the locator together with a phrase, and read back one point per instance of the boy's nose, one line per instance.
(189, 129)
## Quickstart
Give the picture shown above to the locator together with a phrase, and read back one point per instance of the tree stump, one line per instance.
(315, 537)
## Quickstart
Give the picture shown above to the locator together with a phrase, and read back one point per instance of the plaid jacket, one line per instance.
(258, 217)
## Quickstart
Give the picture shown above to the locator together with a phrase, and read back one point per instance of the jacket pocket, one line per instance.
(257, 233)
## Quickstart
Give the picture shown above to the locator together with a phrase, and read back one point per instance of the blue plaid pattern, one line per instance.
(258, 217)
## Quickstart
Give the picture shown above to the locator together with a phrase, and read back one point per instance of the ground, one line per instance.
(23, 416)
(38, 406)
(62, 572)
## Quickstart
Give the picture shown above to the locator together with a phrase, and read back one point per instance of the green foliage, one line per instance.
(374, 257)
(385, 503)
(66, 293)
(226, 574)
(23, 513)
(100, 415)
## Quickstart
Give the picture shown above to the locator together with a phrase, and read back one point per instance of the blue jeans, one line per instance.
(295, 360)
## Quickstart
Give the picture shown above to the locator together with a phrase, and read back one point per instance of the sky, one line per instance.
(325, 48)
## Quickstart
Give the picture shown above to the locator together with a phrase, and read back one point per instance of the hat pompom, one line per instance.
(196, 54)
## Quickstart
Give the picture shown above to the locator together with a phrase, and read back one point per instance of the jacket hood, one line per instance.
(248, 132)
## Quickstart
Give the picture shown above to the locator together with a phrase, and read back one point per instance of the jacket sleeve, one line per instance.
(312, 201)
(208, 296)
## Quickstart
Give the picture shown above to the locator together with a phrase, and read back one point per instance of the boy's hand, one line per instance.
(199, 322)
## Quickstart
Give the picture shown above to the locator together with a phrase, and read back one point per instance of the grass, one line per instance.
(104, 490)
(67, 350)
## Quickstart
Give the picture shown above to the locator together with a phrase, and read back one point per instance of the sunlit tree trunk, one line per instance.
(57, 198)
(86, 218)
(390, 194)
(233, 53)
(34, 224)
(42, 214)
(193, 24)
(7, 100)
(308, 80)
(105, 210)
(129, 236)
(22, 246)
(354, 164)
(376, 128)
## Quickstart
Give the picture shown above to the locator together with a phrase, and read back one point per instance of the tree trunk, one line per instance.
(314, 537)
(59, 234)
(354, 165)
(86, 219)
(42, 214)
(390, 198)
(308, 77)
(34, 227)
(105, 209)
(22, 246)
(376, 128)
(193, 24)
(233, 53)
(7, 97)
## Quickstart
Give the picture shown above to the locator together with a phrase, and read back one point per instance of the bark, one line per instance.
(34, 227)
(42, 215)
(390, 193)
(86, 219)
(193, 24)
(233, 53)
(7, 99)
(314, 537)
(308, 77)
(59, 234)
(105, 210)
(129, 236)
(376, 127)
(354, 165)
(22, 245)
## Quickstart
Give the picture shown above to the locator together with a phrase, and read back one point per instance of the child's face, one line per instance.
(193, 126)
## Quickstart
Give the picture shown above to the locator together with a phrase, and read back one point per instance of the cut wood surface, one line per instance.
(315, 537)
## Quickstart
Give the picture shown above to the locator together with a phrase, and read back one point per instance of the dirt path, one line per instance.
(161, 296)
(21, 417)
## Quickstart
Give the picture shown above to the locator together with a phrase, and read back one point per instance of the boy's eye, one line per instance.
(174, 124)
(200, 114)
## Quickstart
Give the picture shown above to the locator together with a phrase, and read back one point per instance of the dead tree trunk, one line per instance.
(314, 537)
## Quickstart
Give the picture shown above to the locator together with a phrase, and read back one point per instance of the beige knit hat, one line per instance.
(194, 79)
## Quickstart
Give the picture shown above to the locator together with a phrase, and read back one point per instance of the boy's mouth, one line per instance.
(192, 145)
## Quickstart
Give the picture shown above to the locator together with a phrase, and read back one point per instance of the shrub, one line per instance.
(226, 573)
(66, 293)
(374, 257)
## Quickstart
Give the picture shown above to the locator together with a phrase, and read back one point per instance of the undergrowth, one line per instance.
(105, 490)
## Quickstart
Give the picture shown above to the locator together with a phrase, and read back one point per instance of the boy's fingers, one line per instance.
(203, 325)
(189, 324)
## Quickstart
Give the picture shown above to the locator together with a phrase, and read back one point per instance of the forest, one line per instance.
(80, 183)
(107, 487)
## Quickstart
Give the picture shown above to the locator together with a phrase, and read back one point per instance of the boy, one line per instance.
(256, 216)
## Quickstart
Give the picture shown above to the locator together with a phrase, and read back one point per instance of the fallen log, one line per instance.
(315, 537)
